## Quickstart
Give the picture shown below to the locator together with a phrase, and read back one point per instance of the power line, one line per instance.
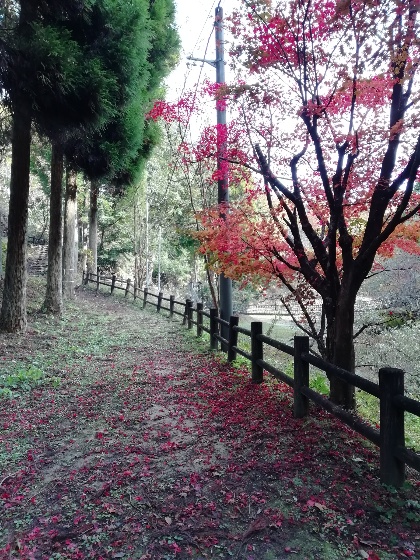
(205, 23)
(187, 126)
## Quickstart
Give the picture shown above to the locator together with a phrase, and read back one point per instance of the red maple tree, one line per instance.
(327, 116)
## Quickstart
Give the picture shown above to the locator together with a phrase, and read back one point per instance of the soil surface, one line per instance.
(123, 437)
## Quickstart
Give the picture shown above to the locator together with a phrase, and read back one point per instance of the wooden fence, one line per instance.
(394, 455)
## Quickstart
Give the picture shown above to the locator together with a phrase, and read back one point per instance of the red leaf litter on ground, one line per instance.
(151, 450)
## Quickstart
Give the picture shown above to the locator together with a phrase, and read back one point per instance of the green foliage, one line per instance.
(395, 506)
(6, 393)
(398, 319)
(138, 49)
(412, 430)
(40, 164)
(289, 369)
(318, 382)
(241, 362)
(22, 380)
(164, 37)
(368, 408)
(53, 70)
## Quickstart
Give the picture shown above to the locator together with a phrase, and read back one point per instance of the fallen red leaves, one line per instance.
(180, 456)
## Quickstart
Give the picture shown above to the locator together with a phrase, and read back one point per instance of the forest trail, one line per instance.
(138, 443)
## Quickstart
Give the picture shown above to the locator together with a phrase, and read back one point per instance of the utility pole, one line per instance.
(147, 244)
(159, 255)
(225, 284)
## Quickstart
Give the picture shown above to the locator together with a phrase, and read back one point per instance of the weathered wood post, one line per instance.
(301, 377)
(83, 278)
(185, 317)
(97, 279)
(214, 329)
(113, 283)
(257, 352)
(233, 337)
(199, 318)
(171, 305)
(145, 297)
(391, 384)
(127, 288)
(159, 302)
(190, 310)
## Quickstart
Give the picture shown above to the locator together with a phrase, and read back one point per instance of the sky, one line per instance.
(195, 21)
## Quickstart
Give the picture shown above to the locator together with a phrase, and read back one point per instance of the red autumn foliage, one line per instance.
(326, 128)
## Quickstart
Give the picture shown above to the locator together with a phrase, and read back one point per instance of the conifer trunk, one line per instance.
(92, 264)
(69, 238)
(13, 310)
(54, 296)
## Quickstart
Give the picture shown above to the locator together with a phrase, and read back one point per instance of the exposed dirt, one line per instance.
(139, 444)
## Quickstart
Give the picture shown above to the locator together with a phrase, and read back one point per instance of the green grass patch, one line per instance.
(24, 379)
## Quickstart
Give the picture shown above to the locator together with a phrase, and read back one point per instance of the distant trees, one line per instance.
(70, 70)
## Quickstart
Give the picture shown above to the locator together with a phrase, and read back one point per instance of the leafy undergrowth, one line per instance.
(132, 445)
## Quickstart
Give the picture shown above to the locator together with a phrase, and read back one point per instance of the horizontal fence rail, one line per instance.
(394, 456)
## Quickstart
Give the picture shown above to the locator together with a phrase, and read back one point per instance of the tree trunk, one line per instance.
(13, 310)
(93, 228)
(54, 296)
(82, 237)
(69, 243)
(210, 282)
(1, 246)
(340, 349)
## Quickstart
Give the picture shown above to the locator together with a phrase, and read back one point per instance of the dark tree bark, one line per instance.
(13, 311)
(210, 282)
(93, 227)
(69, 240)
(340, 349)
(54, 296)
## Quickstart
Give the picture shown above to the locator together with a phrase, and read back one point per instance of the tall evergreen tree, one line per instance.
(116, 153)
(47, 78)
(68, 66)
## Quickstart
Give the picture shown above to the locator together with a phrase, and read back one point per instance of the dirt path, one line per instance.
(139, 444)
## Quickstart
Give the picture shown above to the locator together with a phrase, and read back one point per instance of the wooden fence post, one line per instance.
(187, 313)
(190, 309)
(301, 377)
(214, 329)
(233, 337)
(391, 383)
(145, 297)
(184, 317)
(97, 279)
(127, 288)
(257, 352)
(199, 318)
(171, 305)
(113, 283)
(159, 302)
